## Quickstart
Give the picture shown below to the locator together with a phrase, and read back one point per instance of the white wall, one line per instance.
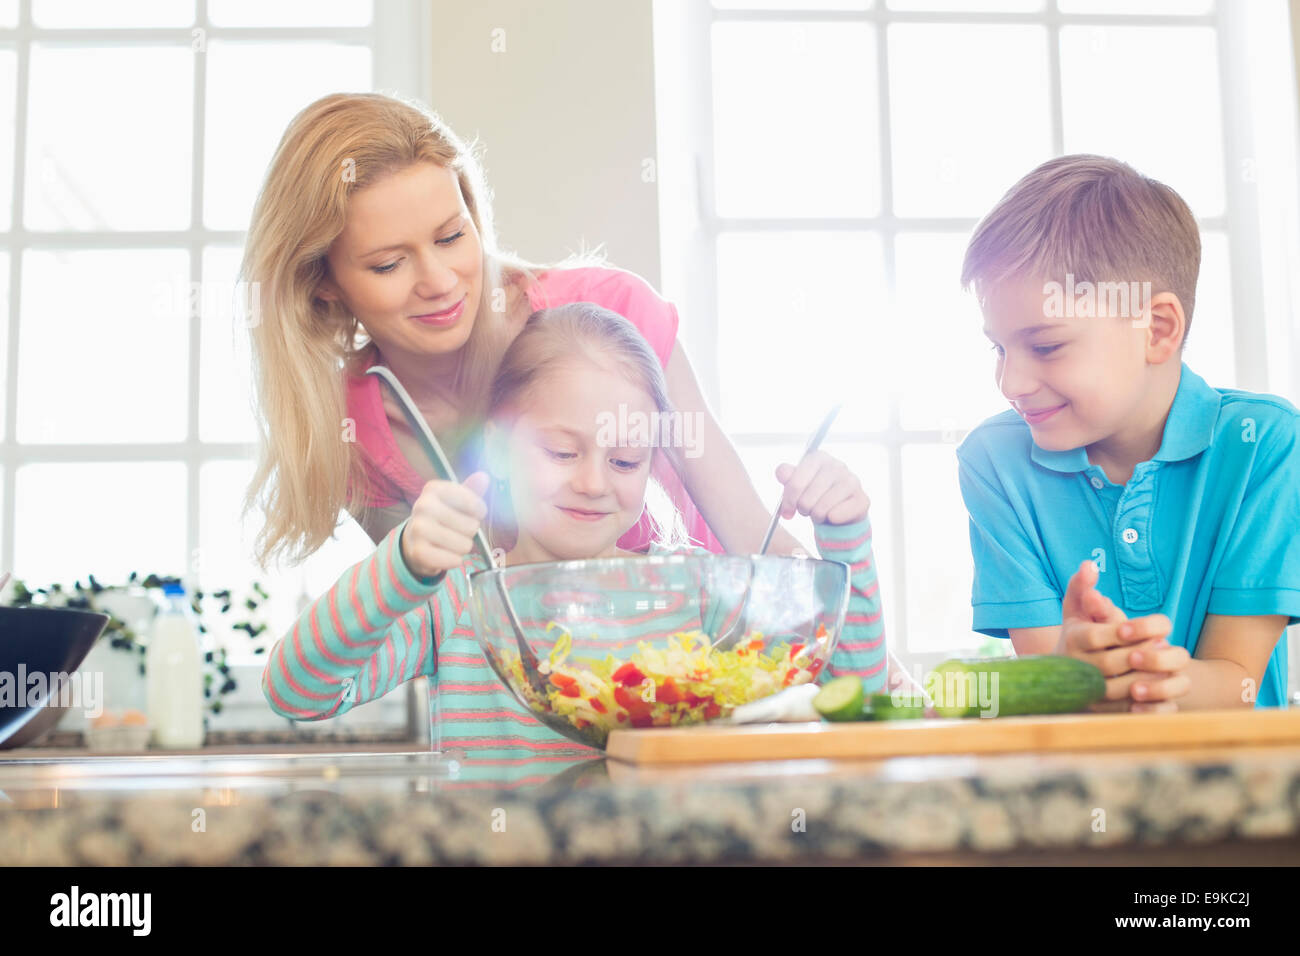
(561, 93)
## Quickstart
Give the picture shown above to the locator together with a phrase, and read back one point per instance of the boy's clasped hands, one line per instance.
(1143, 671)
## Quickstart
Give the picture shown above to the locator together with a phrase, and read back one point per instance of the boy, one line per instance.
(1182, 501)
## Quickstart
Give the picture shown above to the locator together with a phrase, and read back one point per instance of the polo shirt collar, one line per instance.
(1189, 429)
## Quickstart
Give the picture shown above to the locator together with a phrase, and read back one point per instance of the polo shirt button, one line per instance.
(1096, 482)
(1130, 535)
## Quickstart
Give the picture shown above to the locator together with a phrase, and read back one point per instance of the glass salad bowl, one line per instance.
(656, 641)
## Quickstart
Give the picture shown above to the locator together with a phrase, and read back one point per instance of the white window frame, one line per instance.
(691, 225)
(401, 37)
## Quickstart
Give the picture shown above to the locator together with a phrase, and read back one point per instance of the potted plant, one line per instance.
(120, 651)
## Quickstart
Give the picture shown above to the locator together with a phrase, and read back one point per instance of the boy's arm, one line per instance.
(1013, 591)
(374, 629)
(861, 648)
(1231, 657)
(1035, 640)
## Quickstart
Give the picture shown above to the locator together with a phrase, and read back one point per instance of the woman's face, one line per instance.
(409, 264)
(576, 485)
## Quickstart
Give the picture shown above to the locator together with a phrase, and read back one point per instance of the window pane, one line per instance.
(123, 340)
(254, 90)
(224, 356)
(225, 558)
(1135, 6)
(8, 134)
(799, 328)
(963, 136)
(106, 519)
(801, 139)
(1160, 113)
(290, 13)
(94, 163)
(1210, 350)
(936, 552)
(8, 13)
(968, 6)
(948, 382)
(97, 13)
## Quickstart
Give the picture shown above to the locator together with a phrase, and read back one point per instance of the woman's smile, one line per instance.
(445, 318)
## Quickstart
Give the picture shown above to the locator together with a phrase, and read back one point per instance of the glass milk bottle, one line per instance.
(174, 674)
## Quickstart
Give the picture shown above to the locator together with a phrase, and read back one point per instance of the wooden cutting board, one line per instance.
(975, 735)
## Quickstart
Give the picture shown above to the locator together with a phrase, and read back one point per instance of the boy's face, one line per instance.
(1075, 380)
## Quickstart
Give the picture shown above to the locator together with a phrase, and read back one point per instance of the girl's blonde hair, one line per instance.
(303, 347)
(564, 336)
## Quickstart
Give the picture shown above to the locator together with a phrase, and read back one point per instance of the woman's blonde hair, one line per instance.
(303, 347)
(567, 335)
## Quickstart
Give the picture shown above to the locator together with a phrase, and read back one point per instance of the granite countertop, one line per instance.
(1221, 806)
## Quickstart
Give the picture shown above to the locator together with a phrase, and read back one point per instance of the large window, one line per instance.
(136, 137)
(823, 164)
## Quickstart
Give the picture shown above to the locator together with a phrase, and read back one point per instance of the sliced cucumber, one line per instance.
(882, 707)
(840, 699)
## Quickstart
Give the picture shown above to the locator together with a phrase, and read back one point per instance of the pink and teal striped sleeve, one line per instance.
(861, 647)
(373, 630)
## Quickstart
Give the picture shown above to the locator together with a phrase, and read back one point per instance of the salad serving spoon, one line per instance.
(733, 630)
(442, 466)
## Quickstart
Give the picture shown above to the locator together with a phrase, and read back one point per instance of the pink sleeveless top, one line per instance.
(394, 482)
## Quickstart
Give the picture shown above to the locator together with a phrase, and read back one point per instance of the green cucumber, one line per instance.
(1011, 686)
(840, 699)
(882, 707)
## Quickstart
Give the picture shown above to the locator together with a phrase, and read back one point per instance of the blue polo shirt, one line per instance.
(1211, 525)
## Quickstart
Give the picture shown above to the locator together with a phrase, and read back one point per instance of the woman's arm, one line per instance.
(716, 479)
(370, 632)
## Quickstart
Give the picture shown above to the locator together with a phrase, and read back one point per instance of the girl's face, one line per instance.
(576, 485)
(409, 264)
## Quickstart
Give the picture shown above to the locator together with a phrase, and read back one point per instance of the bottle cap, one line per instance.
(173, 587)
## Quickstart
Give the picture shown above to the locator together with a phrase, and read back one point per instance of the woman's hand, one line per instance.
(440, 532)
(823, 488)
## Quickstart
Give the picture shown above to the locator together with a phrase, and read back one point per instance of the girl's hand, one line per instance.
(824, 489)
(440, 532)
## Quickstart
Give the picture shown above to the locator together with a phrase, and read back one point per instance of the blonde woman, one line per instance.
(372, 241)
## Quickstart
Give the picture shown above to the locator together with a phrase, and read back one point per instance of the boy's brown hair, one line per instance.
(1094, 217)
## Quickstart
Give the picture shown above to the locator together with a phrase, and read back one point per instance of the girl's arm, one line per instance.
(861, 648)
(716, 479)
(377, 627)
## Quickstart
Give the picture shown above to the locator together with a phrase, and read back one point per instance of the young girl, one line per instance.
(404, 611)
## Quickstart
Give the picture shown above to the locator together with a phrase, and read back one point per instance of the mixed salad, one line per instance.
(684, 681)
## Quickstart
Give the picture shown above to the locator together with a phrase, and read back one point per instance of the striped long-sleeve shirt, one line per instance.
(381, 625)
